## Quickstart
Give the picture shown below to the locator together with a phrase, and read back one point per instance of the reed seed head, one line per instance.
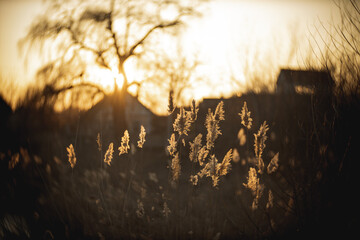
(225, 165)
(195, 147)
(109, 154)
(172, 145)
(71, 155)
(273, 164)
(124, 147)
(98, 141)
(141, 137)
(212, 124)
(175, 167)
(182, 122)
(245, 115)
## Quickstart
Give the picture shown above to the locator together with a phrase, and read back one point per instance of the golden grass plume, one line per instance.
(109, 154)
(142, 135)
(71, 155)
(124, 147)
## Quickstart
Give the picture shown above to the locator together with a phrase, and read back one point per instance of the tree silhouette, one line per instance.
(341, 52)
(77, 36)
(173, 75)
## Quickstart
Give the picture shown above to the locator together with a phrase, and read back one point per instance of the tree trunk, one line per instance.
(119, 113)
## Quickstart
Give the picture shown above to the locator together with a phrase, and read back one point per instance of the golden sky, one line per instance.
(229, 35)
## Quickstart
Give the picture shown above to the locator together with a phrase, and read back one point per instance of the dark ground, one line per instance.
(314, 188)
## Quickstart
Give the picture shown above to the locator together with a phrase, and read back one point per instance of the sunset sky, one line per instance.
(231, 34)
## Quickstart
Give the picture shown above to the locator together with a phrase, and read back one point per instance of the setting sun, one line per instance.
(105, 78)
(229, 41)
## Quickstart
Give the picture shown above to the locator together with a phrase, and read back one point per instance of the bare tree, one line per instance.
(80, 35)
(336, 46)
(173, 75)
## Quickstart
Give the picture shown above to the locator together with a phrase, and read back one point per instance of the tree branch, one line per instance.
(50, 90)
(99, 53)
(141, 41)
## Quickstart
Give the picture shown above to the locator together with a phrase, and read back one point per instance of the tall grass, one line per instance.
(196, 188)
(167, 207)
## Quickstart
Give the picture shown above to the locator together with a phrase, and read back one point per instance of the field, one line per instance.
(220, 176)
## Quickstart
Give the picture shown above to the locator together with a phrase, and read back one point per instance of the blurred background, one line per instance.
(76, 75)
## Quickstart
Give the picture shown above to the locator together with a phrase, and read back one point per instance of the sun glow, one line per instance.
(230, 37)
(104, 77)
(107, 77)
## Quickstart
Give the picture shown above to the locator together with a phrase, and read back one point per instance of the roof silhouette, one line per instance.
(289, 79)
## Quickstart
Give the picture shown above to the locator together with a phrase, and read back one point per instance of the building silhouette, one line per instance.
(304, 82)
